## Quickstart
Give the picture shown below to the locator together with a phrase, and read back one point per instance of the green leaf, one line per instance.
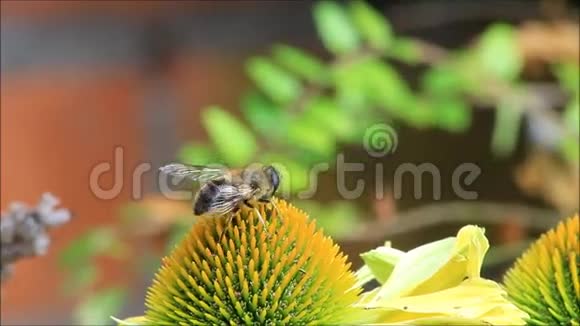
(442, 80)
(569, 76)
(405, 50)
(197, 154)
(386, 88)
(452, 114)
(85, 247)
(570, 148)
(335, 28)
(372, 26)
(506, 128)
(419, 114)
(97, 308)
(278, 84)
(338, 219)
(266, 117)
(308, 136)
(351, 86)
(302, 64)
(176, 234)
(233, 141)
(572, 115)
(328, 115)
(81, 278)
(498, 53)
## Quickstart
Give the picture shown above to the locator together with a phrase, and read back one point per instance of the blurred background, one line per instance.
(491, 83)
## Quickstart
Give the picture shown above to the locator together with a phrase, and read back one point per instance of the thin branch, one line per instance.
(484, 213)
(535, 99)
(23, 230)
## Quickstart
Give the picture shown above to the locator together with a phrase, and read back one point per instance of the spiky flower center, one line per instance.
(545, 281)
(284, 273)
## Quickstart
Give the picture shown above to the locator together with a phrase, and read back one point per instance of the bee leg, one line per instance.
(247, 203)
(228, 222)
(225, 226)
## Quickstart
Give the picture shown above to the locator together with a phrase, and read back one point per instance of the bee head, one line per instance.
(273, 176)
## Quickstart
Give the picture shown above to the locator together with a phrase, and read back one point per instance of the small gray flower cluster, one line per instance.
(23, 230)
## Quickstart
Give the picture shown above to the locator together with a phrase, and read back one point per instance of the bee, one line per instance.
(224, 191)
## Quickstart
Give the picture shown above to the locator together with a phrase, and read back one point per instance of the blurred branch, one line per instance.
(537, 99)
(484, 213)
(505, 253)
(23, 230)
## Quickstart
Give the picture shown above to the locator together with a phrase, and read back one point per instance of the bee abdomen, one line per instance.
(205, 198)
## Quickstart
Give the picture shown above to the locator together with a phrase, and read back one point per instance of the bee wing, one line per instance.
(194, 172)
(228, 198)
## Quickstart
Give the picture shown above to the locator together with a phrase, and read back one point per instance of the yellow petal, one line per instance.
(465, 262)
(415, 267)
(434, 266)
(380, 263)
(474, 300)
(131, 321)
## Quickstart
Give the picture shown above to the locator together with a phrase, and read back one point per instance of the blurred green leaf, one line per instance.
(302, 64)
(131, 213)
(371, 25)
(386, 88)
(335, 28)
(80, 278)
(266, 117)
(98, 307)
(572, 115)
(83, 249)
(176, 234)
(498, 53)
(328, 115)
(339, 219)
(197, 154)
(293, 174)
(419, 114)
(452, 114)
(405, 50)
(569, 76)
(233, 141)
(308, 136)
(570, 147)
(350, 86)
(277, 83)
(442, 80)
(506, 128)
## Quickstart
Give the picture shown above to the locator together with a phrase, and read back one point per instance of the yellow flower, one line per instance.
(286, 273)
(437, 283)
(544, 281)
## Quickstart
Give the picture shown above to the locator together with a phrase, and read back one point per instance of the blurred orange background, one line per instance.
(58, 122)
